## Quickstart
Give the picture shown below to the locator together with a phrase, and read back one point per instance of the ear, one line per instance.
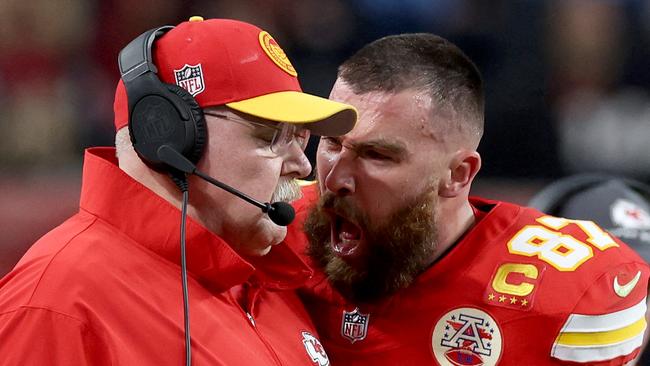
(462, 169)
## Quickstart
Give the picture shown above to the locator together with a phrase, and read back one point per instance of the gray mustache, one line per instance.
(287, 190)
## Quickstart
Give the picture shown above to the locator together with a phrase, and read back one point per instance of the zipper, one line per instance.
(250, 297)
(251, 319)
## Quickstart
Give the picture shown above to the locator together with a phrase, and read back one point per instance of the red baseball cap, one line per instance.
(233, 63)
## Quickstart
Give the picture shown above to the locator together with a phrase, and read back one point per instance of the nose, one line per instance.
(296, 164)
(340, 178)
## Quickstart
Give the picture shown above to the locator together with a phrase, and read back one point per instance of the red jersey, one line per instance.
(519, 288)
(104, 288)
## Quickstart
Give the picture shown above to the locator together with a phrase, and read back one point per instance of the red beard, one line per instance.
(396, 251)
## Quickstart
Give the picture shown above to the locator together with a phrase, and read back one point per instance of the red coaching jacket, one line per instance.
(104, 288)
(520, 288)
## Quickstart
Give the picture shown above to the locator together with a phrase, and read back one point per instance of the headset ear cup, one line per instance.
(194, 151)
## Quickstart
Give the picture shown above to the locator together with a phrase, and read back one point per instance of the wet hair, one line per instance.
(424, 62)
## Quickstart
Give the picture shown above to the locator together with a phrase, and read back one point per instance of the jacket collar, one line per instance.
(152, 222)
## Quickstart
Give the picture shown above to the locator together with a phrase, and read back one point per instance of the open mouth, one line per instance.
(346, 238)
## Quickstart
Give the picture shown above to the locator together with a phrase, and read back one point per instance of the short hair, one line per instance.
(122, 142)
(420, 61)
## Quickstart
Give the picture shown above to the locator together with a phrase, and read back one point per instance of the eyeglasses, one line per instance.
(284, 133)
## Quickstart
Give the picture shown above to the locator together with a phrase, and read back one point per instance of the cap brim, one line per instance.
(321, 116)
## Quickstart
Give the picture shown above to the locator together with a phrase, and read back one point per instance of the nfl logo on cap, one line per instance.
(190, 78)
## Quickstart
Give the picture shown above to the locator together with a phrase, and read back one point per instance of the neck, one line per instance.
(160, 183)
(455, 217)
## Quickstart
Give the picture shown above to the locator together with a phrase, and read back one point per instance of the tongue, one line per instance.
(349, 231)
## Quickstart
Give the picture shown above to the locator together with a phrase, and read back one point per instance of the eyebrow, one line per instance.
(397, 148)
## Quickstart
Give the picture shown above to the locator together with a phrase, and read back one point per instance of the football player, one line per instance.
(415, 272)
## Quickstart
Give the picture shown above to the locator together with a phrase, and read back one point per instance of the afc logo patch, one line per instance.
(314, 349)
(354, 326)
(190, 78)
(466, 337)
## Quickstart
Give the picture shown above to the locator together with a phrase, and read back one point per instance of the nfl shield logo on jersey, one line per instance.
(314, 349)
(190, 78)
(355, 325)
(466, 337)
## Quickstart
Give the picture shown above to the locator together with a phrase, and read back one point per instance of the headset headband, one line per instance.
(158, 113)
(135, 59)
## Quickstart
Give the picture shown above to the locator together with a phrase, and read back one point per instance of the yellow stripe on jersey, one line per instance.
(578, 323)
(602, 338)
(591, 338)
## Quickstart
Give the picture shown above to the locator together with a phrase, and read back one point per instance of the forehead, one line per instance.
(403, 115)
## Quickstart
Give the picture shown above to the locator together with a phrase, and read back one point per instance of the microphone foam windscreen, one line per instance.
(281, 213)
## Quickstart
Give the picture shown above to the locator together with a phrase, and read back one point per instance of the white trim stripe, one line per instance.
(578, 323)
(598, 353)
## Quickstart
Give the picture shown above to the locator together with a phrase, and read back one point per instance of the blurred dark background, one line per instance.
(567, 84)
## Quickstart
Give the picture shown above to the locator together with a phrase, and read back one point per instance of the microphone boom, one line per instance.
(281, 213)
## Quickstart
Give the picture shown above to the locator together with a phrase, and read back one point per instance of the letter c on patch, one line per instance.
(500, 283)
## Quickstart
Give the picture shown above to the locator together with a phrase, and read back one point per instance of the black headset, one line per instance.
(159, 113)
(551, 198)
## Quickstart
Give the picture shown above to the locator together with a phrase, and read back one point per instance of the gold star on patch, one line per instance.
(502, 298)
(491, 297)
(524, 302)
(513, 300)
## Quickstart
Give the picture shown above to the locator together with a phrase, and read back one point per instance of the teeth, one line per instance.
(346, 237)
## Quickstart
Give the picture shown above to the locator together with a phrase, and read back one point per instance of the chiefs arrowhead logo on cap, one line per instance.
(276, 54)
